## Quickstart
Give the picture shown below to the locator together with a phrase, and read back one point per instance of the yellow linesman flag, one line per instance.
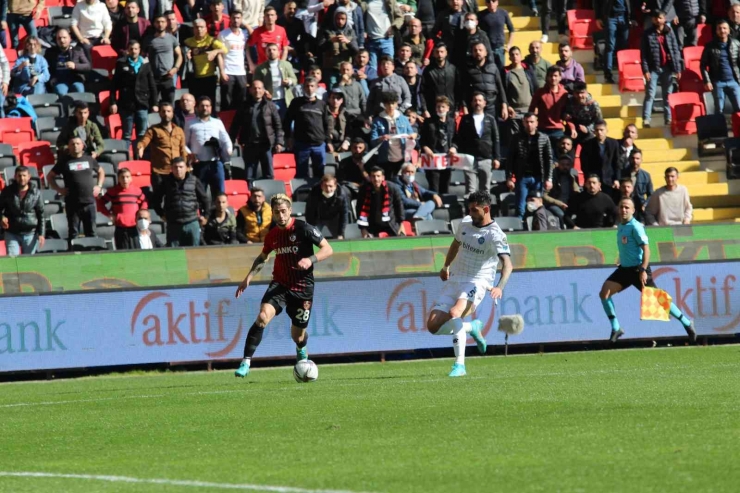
(655, 304)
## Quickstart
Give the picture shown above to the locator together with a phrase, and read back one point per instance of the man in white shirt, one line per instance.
(278, 78)
(380, 19)
(91, 25)
(234, 76)
(208, 146)
(669, 205)
(480, 244)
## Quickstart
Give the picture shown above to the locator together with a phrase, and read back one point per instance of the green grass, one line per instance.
(640, 420)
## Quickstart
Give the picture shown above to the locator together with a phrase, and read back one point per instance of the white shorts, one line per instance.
(454, 291)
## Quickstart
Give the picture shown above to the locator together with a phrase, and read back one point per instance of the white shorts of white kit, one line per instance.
(454, 291)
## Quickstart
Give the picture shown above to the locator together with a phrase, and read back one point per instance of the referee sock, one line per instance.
(452, 326)
(678, 315)
(254, 337)
(611, 312)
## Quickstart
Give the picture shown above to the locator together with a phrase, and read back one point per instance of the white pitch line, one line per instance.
(169, 482)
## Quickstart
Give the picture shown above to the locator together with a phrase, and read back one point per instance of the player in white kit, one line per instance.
(480, 244)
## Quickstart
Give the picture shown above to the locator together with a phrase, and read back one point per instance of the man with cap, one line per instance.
(542, 219)
(338, 138)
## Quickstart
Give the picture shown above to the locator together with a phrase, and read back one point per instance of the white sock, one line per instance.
(458, 342)
(450, 327)
(467, 327)
(248, 361)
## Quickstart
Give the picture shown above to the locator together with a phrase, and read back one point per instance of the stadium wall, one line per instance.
(365, 258)
(143, 326)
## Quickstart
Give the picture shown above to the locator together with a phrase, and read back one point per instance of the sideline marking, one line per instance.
(168, 482)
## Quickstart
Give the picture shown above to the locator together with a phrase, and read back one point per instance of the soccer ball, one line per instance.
(305, 371)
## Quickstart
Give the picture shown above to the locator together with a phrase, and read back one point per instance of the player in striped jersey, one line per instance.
(292, 278)
(480, 243)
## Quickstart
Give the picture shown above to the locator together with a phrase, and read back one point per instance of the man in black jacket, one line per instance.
(689, 14)
(483, 76)
(615, 17)
(469, 36)
(22, 214)
(661, 62)
(600, 157)
(379, 206)
(137, 91)
(260, 134)
(530, 160)
(719, 67)
(67, 65)
(440, 78)
(328, 208)
(477, 135)
(310, 133)
(591, 208)
(184, 196)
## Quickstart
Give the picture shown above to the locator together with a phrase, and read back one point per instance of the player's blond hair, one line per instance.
(280, 198)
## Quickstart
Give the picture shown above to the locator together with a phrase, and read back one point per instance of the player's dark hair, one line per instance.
(280, 198)
(627, 198)
(481, 197)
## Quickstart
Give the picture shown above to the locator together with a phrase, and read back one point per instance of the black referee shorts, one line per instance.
(630, 276)
(297, 304)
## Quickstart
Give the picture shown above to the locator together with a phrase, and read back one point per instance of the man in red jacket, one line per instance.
(126, 200)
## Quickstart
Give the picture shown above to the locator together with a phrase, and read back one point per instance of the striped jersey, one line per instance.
(291, 244)
(125, 204)
(477, 257)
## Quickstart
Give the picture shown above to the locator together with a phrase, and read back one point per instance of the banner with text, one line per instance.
(207, 323)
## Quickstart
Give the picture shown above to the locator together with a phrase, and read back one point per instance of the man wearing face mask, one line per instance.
(418, 202)
(469, 36)
(144, 238)
(328, 207)
(542, 219)
(440, 78)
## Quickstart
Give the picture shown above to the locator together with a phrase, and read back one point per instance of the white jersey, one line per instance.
(477, 258)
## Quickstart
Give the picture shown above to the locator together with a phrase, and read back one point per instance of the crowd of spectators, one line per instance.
(375, 85)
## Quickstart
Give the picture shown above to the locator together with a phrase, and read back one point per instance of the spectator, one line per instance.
(559, 7)
(134, 87)
(519, 84)
(404, 56)
(661, 63)
(278, 78)
(530, 160)
(130, 28)
(627, 191)
(234, 75)
(91, 25)
(80, 186)
(627, 146)
(185, 112)
(352, 170)
(355, 18)
(355, 101)
(126, 200)
(181, 32)
(338, 136)
(564, 188)
(483, 76)
(733, 16)
(252, 12)
(615, 17)
(379, 207)
(115, 11)
(221, 226)
(437, 137)
(591, 208)
(207, 54)
(582, 112)
(364, 73)
(689, 13)
(328, 207)
(448, 21)
(548, 103)
(67, 65)
(255, 219)
(387, 81)
(4, 81)
(572, 71)
(311, 132)
(165, 142)
(418, 202)
(338, 44)
(143, 238)
(425, 12)
(535, 61)
(411, 76)
(23, 13)
(600, 157)
(268, 33)
(260, 131)
(641, 180)
(301, 44)
(390, 123)
(216, 22)
(208, 145)
(31, 71)
(478, 136)
(421, 48)
(440, 78)
(80, 125)
(492, 21)
(542, 219)
(468, 36)
(165, 57)
(184, 200)
(564, 147)
(669, 205)
(719, 67)
(381, 16)
(408, 7)
(22, 214)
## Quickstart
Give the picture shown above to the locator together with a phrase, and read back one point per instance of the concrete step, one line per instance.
(654, 144)
(716, 214)
(696, 178)
(618, 111)
(657, 170)
(524, 23)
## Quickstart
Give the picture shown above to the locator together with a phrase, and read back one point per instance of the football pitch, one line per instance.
(630, 420)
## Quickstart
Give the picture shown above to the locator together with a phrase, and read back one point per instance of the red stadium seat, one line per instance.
(283, 161)
(736, 124)
(115, 128)
(3, 249)
(17, 137)
(582, 26)
(631, 78)
(104, 100)
(10, 54)
(408, 228)
(104, 56)
(692, 58)
(285, 174)
(685, 107)
(704, 33)
(627, 56)
(141, 172)
(37, 154)
(16, 124)
(236, 187)
(178, 15)
(691, 82)
(227, 117)
(635, 37)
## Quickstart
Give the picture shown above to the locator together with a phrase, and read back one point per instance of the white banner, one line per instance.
(442, 161)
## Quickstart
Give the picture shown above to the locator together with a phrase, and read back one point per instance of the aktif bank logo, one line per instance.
(163, 324)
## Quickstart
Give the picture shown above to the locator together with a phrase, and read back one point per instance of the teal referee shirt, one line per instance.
(631, 237)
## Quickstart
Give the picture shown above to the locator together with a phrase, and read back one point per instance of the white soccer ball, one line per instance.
(305, 371)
